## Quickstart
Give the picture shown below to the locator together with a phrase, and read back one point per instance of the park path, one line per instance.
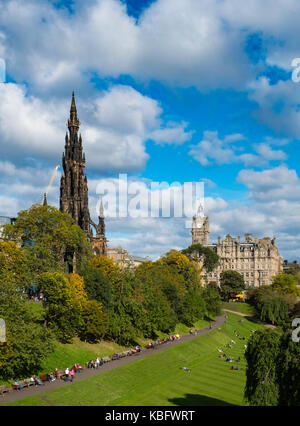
(89, 372)
(249, 316)
(235, 312)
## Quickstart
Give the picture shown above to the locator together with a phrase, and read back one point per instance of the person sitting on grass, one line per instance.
(186, 369)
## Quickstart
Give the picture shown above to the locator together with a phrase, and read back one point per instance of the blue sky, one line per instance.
(166, 90)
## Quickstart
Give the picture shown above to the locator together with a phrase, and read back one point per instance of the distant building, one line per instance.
(257, 260)
(122, 258)
(291, 266)
(5, 220)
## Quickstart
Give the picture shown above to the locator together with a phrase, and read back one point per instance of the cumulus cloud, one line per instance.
(271, 184)
(173, 133)
(182, 42)
(115, 126)
(273, 209)
(212, 149)
(277, 106)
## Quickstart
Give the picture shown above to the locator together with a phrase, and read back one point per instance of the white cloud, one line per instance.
(115, 127)
(278, 106)
(183, 42)
(271, 184)
(212, 149)
(173, 133)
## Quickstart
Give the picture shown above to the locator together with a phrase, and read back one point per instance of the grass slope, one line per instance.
(158, 379)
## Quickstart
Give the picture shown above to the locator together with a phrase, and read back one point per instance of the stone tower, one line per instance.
(73, 186)
(200, 228)
(99, 243)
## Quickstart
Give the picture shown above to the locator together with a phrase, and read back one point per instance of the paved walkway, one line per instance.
(252, 318)
(89, 372)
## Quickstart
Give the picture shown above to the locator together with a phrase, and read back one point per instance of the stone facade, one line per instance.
(123, 259)
(257, 260)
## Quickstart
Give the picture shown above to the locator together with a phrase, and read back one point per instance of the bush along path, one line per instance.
(89, 372)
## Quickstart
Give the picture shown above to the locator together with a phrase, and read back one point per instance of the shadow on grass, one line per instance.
(199, 400)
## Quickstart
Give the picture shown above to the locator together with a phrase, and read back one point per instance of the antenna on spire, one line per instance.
(101, 210)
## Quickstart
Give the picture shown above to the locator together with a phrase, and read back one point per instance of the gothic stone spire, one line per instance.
(73, 187)
(99, 242)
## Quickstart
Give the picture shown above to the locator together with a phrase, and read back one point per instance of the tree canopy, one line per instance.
(231, 283)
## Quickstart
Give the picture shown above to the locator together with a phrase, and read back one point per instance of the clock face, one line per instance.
(199, 225)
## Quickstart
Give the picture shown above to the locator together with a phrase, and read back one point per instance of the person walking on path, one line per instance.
(67, 372)
(72, 375)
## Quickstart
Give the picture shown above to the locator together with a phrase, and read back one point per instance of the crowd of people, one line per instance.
(68, 374)
(229, 345)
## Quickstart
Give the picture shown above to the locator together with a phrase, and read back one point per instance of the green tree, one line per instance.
(95, 322)
(54, 236)
(205, 255)
(288, 370)
(231, 283)
(105, 265)
(14, 264)
(262, 352)
(273, 308)
(97, 286)
(162, 279)
(28, 342)
(285, 284)
(194, 307)
(62, 306)
(212, 298)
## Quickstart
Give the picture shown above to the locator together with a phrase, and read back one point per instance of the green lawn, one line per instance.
(244, 308)
(158, 380)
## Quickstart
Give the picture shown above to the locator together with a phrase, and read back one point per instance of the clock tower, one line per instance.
(200, 228)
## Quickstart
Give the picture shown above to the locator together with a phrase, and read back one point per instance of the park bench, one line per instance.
(30, 382)
(16, 387)
(4, 389)
(25, 383)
